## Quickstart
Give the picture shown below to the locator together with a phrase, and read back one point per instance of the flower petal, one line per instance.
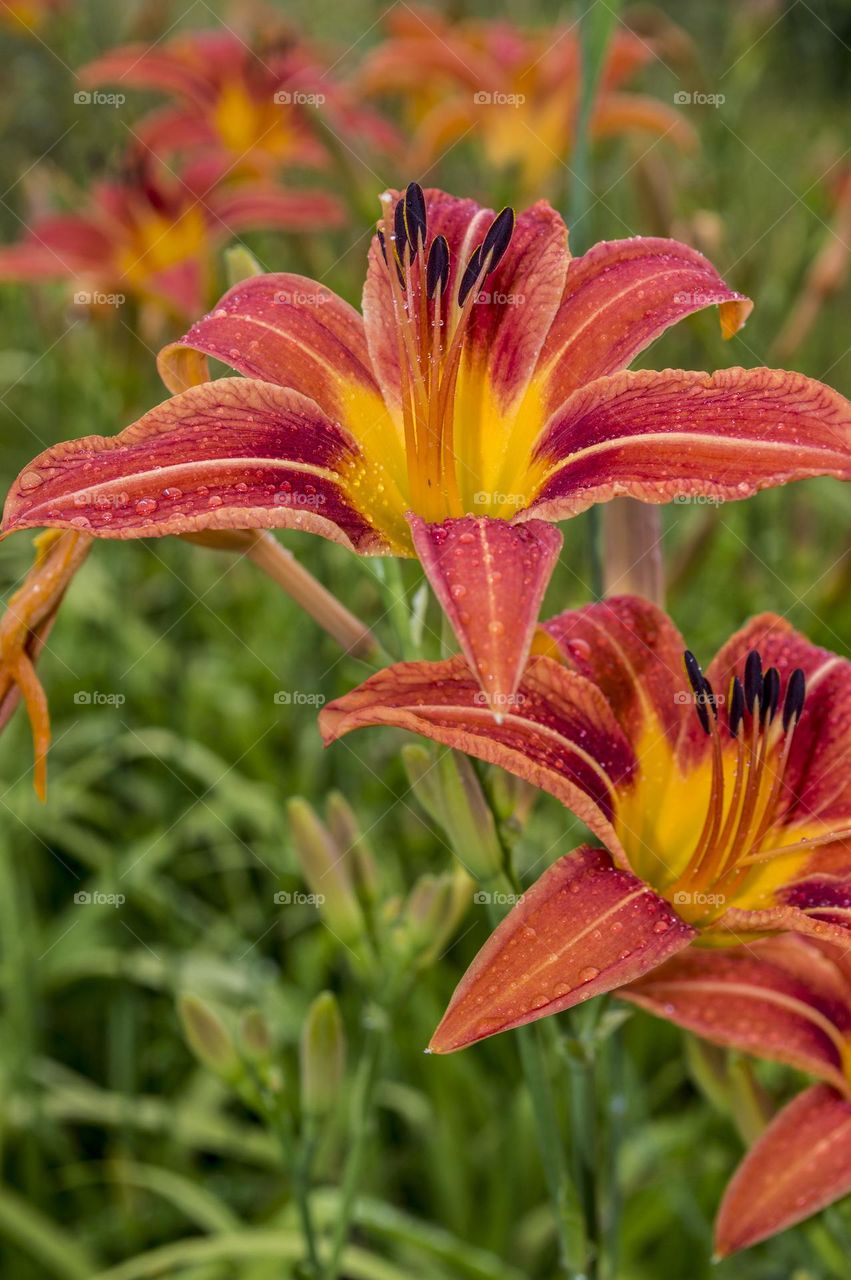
(739, 997)
(584, 928)
(514, 311)
(818, 907)
(620, 296)
(618, 113)
(558, 733)
(801, 1164)
(659, 436)
(259, 207)
(230, 454)
(490, 577)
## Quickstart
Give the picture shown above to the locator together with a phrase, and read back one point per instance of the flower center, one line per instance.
(743, 807)
(432, 321)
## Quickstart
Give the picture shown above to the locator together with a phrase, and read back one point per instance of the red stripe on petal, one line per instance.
(228, 454)
(584, 928)
(800, 1165)
(659, 436)
(620, 296)
(490, 577)
(558, 733)
(739, 998)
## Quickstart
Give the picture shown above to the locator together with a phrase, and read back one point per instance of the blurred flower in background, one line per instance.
(514, 91)
(29, 15)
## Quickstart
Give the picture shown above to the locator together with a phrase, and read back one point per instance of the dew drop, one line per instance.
(146, 506)
(214, 501)
(172, 493)
(30, 480)
(588, 974)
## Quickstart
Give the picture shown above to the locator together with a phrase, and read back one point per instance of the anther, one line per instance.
(437, 268)
(498, 237)
(382, 244)
(753, 680)
(796, 692)
(699, 686)
(400, 234)
(737, 706)
(470, 276)
(770, 696)
(415, 215)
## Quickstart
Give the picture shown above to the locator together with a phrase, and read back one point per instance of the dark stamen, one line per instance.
(796, 692)
(701, 687)
(400, 232)
(437, 268)
(470, 275)
(382, 244)
(415, 215)
(498, 237)
(753, 679)
(770, 695)
(737, 706)
(693, 670)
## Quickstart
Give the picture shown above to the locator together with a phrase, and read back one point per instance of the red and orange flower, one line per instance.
(153, 236)
(514, 91)
(28, 16)
(723, 800)
(245, 104)
(787, 999)
(481, 393)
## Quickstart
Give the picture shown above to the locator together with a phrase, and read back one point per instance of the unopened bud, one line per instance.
(470, 824)
(208, 1037)
(322, 1057)
(346, 834)
(326, 871)
(434, 907)
(240, 264)
(254, 1035)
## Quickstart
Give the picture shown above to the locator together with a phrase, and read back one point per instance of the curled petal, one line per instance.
(800, 1165)
(261, 206)
(659, 436)
(490, 577)
(738, 997)
(619, 297)
(817, 907)
(231, 454)
(557, 732)
(584, 928)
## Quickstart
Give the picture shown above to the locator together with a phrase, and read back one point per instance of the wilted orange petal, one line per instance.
(490, 577)
(584, 928)
(801, 1164)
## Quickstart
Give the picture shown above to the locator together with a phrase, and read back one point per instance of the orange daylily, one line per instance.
(517, 90)
(242, 104)
(723, 800)
(153, 236)
(29, 15)
(787, 999)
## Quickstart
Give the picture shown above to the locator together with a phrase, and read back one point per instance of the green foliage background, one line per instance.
(114, 1141)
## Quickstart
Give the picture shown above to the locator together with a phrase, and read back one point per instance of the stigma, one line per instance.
(758, 721)
(432, 320)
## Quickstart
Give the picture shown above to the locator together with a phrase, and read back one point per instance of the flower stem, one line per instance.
(360, 1127)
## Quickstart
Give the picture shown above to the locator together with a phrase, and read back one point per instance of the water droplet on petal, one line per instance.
(146, 506)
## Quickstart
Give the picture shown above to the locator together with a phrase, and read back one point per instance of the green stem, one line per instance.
(359, 1132)
(302, 1170)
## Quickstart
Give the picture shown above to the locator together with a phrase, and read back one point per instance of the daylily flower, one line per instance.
(244, 102)
(515, 91)
(484, 377)
(29, 15)
(723, 800)
(24, 629)
(152, 236)
(787, 999)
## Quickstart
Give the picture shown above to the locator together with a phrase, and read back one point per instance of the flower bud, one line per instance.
(254, 1036)
(240, 264)
(208, 1037)
(326, 871)
(322, 1055)
(346, 834)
